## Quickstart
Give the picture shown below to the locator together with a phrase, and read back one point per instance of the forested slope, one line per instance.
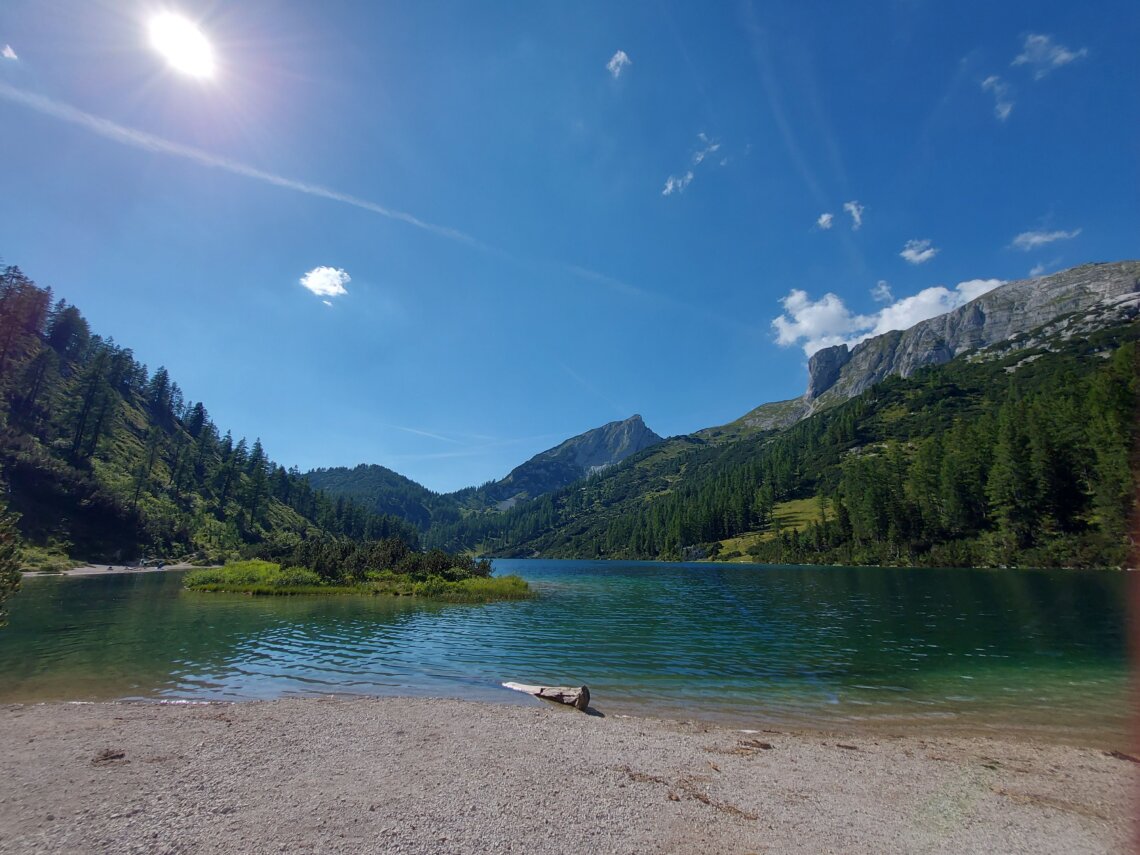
(105, 460)
(1007, 456)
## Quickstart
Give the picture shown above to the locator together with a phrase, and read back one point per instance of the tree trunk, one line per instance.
(578, 697)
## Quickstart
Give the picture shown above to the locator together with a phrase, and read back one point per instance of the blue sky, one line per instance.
(540, 217)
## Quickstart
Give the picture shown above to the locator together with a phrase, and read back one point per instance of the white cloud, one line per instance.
(856, 211)
(327, 302)
(617, 63)
(1044, 55)
(1031, 240)
(824, 221)
(677, 183)
(8, 53)
(971, 289)
(919, 251)
(1037, 269)
(881, 293)
(707, 147)
(326, 281)
(1003, 96)
(816, 324)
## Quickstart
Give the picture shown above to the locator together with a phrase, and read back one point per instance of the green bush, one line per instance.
(296, 576)
(265, 577)
(40, 560)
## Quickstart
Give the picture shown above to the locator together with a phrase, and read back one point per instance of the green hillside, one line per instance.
(383, 491)
(994, 458)
(105, 461)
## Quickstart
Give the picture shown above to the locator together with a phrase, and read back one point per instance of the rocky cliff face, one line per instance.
(1015, 315)
(576, 457)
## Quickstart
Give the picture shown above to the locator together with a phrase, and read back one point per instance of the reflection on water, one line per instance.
(1038, 651)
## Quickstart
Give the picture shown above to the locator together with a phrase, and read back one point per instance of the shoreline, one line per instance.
(112, 569)
(440, 775)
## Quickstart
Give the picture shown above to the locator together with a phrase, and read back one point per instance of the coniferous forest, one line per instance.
(105, 460)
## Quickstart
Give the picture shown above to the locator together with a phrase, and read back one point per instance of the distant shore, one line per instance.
(106, 569)
(429, 775)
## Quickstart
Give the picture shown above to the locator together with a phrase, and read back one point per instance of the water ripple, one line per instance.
(800, 645)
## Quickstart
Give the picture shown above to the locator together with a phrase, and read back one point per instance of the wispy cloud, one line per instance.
(1043, 267)
(327, 302)
(1027, 241)
(677, 183)
(816, 324)
(594, 390)
(707, 147)
(919, 251)
(1003, 96)
(8, 53)
(617, 63)
(420, 432)
(825, 221)
(474, 450)
(326, 282)
(881, 293)
(1044, 55)
(856, 211)
(149, 142)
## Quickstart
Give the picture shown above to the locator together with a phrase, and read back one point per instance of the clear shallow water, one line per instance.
(1037, 652)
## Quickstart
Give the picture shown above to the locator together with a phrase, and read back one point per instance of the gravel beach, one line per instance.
(421, 775)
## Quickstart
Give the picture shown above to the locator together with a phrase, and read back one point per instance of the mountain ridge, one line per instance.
(572, 459)
(1079, 298)
(1096, 293)
(390, 492)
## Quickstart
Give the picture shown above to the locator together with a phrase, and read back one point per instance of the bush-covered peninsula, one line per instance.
(386, 567)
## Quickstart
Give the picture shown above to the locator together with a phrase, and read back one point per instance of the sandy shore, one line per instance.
(416, 775)
(104, 569)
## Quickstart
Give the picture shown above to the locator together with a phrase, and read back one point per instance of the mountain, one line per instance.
(999, 433)
(575, 458)
(386, 492)
(1066, 304)
(1063, 305)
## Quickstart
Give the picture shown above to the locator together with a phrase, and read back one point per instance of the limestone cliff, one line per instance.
(1014, 315)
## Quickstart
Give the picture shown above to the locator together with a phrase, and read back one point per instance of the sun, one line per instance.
(182, 44)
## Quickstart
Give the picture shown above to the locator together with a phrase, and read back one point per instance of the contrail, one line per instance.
(426, 433)
(150, 142)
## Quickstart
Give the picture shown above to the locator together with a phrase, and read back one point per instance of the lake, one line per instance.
(1035, 653)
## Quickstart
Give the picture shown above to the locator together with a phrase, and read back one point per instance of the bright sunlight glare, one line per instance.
(182, 44)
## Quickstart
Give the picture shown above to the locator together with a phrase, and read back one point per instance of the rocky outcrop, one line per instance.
(776, 415)
(575, 458)
(1015, 315)
(824, 367)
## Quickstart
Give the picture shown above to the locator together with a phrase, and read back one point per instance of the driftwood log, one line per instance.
(577, 697)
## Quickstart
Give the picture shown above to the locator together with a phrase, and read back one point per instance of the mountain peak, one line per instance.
(575, 458)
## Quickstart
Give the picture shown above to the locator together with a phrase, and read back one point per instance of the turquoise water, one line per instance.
(1037, 652)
